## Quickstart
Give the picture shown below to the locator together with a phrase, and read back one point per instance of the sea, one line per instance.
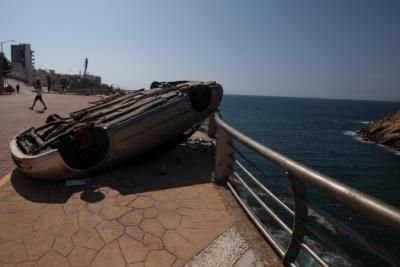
(321, 133)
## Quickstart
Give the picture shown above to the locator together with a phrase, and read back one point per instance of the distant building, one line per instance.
(95, 79)
(84, 82)
(23, 62)
(46, 76)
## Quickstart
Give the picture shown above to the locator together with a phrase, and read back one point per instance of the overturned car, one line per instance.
(99, 136)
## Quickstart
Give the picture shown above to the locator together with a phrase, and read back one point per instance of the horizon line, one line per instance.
(311, 97)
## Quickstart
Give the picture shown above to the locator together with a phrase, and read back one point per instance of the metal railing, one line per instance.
(300, 178)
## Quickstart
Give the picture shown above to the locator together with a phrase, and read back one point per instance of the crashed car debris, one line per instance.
(102, 135)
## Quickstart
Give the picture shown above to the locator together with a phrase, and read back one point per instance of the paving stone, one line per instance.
(209, 194)
(150, 213)
(194, 203)
(50, 217)
(132, 218)
(11, 207)
(142, 202)
(136, 264)
(188, 193)
(160, 258)
(178, 263)
(81, 256)
(132, 250)
(25, 216)
(12, 251)
(37, 244)
(109, 256)
(30, 205)
(201, 222)
(110, 230)
(98, 206)
(88, 238)
(166, 206)
(164, 195)
(4, 195)
(202, 215)
(152, 226)
(26, 264)
(88, 219)
(152, 242)
(124, 200)
(63, 244)
(216, 205)
(73, 208)
(94, 208)
(111, 213)
(169, 220)
(69, 226)
(177, 245)
(112, 194)
(53, 259)
(135, 232)
(15, 231)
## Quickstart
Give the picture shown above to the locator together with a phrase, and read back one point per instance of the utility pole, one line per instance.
(85, 65)
(6, 41)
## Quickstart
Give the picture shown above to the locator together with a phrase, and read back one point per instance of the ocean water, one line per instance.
(321, 134)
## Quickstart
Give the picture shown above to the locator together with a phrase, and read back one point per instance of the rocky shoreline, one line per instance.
(384, 132)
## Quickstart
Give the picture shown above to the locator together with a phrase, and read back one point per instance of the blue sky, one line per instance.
(326, 49)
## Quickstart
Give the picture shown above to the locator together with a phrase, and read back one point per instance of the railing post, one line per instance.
(212, 126)
(224, 157)
(300, 217)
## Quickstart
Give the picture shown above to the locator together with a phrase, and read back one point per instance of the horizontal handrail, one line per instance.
(363, 203)
(278, 248)
(263, 188)
(272, 178)
(275, 217)
(266, 208)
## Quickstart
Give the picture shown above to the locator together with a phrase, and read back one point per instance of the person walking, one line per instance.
(39, 93)
(17, 87)
(48, 83)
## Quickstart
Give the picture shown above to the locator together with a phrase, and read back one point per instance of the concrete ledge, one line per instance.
(223, 251)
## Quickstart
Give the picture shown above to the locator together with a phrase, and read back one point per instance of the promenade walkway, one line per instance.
(128, 216)
(15, 116)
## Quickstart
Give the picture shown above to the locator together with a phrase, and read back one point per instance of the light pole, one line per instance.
(1, 62)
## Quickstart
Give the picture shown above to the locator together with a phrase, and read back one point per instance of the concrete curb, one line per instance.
(223, 251)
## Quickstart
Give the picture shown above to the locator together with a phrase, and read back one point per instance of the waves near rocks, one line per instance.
(384, 132)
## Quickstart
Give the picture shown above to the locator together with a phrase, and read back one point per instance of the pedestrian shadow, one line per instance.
(182, 166)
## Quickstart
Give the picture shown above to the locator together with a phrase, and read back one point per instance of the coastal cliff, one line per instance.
(385, 132)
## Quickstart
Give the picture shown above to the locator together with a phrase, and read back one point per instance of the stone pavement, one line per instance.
(129, 216)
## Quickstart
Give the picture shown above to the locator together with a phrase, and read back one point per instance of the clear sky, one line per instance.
(327, 49)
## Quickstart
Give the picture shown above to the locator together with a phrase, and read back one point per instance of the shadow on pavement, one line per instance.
(182, 166)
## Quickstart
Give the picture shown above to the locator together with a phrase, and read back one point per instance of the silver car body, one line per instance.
(103, 135)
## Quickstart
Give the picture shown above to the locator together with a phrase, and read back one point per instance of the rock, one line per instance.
(385, 132)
